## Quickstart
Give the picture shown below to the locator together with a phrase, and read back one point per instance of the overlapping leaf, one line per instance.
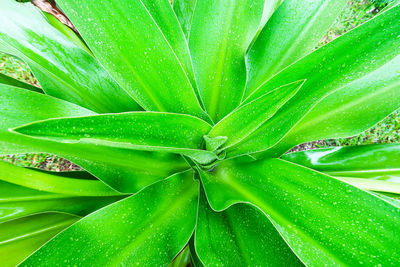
(47, 182)
(184, 10)
(293, 31)
(17, 201)
(330, 68)
(324, 221)
(149, 131)
(125, 170)
(373, 167)
(219, 62)
(138, 53)
(63, 65)
(239, 236)
(20, 238)
(243, 121)
(6, 80)
(149, 228)
(349, 111)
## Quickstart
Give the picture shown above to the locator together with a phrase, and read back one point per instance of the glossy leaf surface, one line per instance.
(125, 170)
(350, 110)
(243, 121)
(20, 238)
(219, 63)
(147, 131)
(269, 9)
(53, 183)
(324, 221)
(137, 52)
(352, 56)
(164, 16)
(239, 236)
(380, 164)
(65, 68)
(149, 228)
(17, 201)
(293, 31)
(184, 10)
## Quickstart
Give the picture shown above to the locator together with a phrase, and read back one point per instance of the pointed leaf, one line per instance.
(269, 8)
(372, 167)
(147, 229)
(324, 221)
(124, 170)
(164, 16)
(220, 34)
(65, 68)
(240, 123)
(332, 67)
(293, 31)
(20, 238)
(149, 131)
(133, 48)
(239, 236)
(53, 183)
(17, 201)
(348, 111)
(184, 10)
(6, 80)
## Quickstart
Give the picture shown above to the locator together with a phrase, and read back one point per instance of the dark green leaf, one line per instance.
(324, 221)
(220, 35)
(147, 229)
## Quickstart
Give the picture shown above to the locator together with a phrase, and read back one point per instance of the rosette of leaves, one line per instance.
(180, 117)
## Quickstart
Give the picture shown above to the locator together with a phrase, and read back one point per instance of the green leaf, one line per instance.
(164, 16)
(182, 260)
(53, 183)
(125, 170)
(293, 31)
(330, 68)
(64, 68)
(6, 80)
(147, 229)
(20, 238)
(220, 33)
(17, 201)
(239, 236)
(184, 10)
(131, 45)
(269, 8)
(149, 131)
(241, 122)
(348, 111)
(324, 221)
(372, 167)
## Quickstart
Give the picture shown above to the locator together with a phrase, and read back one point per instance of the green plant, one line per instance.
(198, 166)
